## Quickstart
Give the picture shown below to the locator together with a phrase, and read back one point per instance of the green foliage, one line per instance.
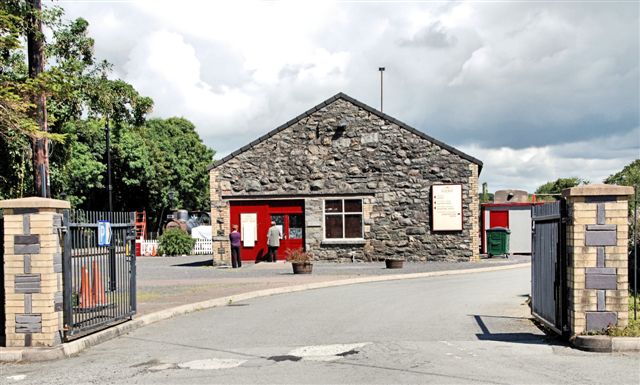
(629, 176)
(556, 186)
(633, 328)
(148, 157)
(175, 242)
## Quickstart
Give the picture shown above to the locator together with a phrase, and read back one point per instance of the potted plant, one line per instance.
(394, 262)
(300, 260)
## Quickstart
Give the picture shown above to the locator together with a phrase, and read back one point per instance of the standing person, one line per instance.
(234, 237)
(273, 241)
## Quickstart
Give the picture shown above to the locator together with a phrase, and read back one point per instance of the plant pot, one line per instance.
(302, 267)
(394, 263)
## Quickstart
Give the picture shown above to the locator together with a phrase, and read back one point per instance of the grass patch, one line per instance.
(633, 329)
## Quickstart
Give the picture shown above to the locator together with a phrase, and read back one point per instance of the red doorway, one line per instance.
(499, 219)
(254, 219)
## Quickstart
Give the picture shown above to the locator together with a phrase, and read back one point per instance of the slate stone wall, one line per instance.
(388, 166)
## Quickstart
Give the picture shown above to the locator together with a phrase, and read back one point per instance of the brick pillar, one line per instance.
(33, 271)
(220, 218)
(597, 236)
(475, 214)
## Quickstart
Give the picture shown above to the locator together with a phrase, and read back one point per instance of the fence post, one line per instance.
(597, 236)
(33, 271)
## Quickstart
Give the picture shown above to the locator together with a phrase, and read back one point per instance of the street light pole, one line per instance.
(112, 250)
(381, 69)
(109, 186)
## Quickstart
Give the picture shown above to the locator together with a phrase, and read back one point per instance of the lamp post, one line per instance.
(381, 69)
(112, 250)
(109, 186)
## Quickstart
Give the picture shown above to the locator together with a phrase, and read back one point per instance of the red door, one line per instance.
(257, 216)
(292, 229)
(499, 219)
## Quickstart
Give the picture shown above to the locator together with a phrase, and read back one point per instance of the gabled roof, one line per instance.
(358, 103)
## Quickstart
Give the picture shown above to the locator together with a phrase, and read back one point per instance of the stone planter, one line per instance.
(394, 263)
(302, 267)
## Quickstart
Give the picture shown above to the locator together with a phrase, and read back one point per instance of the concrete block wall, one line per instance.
(597, 237)
(33, 243)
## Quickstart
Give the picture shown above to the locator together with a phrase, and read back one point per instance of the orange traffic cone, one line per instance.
(153, 251)
(97, 293)
(86, 299)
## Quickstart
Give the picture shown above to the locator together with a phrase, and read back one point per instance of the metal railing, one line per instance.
(99, 279)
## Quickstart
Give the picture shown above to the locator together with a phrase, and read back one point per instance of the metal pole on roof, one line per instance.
(381, 69)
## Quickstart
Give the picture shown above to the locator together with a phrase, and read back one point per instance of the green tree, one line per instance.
(177, 160)
(148, 157)
(556, 186)
(629, 176)
(17, 124)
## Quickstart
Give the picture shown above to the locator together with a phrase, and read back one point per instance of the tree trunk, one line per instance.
(35, 54)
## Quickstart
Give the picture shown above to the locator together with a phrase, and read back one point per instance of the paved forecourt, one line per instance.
(471, 328)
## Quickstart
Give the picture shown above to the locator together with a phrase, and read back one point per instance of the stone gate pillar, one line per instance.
(597, 241)
(33, 241)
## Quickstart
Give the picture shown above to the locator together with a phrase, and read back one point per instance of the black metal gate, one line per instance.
(549, 265)
(99, 270)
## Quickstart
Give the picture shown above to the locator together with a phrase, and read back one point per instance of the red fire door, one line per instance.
(254, 219)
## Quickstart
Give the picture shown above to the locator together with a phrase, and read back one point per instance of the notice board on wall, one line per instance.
(248, 229)
(446, 207)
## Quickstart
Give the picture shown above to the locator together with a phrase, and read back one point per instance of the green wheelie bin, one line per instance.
(498, 241)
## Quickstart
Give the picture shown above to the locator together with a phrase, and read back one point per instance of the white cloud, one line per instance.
(530, 88)
(528, 168)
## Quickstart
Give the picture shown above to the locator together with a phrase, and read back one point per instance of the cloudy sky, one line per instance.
(535, 89)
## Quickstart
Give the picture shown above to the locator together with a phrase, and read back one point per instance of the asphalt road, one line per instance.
(453, 329)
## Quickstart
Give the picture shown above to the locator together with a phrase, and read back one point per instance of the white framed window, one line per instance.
(343, 218)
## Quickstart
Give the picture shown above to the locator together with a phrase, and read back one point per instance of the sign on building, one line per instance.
(446, 206)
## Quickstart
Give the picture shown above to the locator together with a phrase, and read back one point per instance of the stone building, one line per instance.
(348, 183)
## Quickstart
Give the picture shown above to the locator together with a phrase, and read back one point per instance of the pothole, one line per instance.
(349, 353)
(284, 358)
(148, 363)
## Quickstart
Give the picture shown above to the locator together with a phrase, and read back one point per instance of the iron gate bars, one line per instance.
(99, 281)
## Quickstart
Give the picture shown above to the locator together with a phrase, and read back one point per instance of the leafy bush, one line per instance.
(175, 242)
(298, 256)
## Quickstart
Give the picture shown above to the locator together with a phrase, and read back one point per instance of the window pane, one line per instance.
(353, 226)
(333, 206)
(296, 223)
(352, 206)
(278, 219)
(333, 226)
